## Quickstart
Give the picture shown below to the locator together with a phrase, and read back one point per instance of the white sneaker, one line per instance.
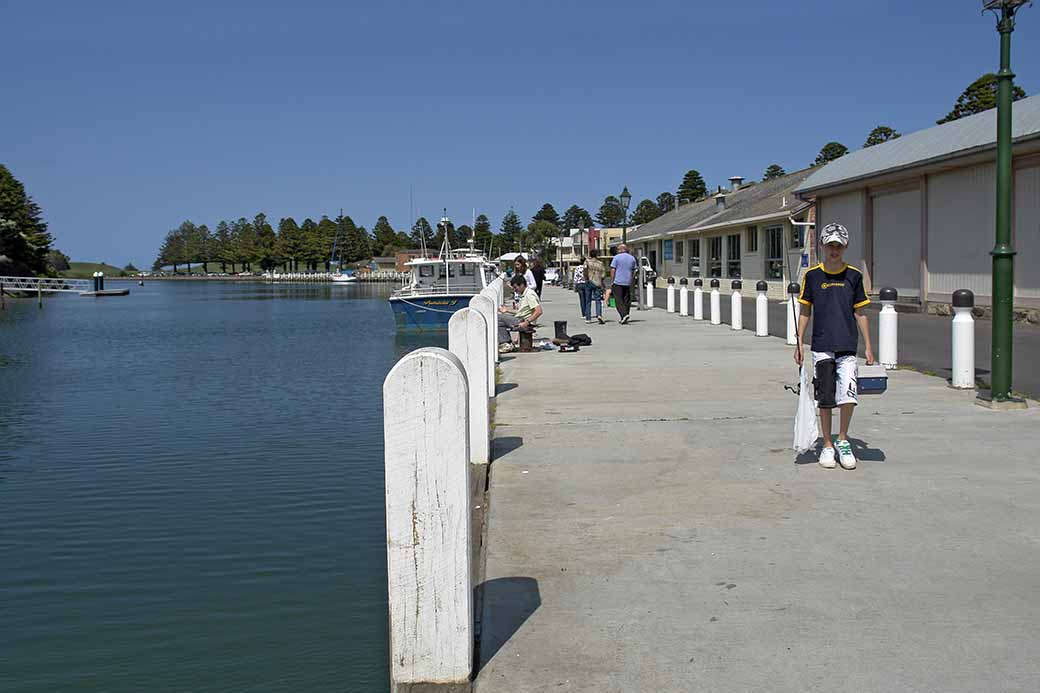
(827, 458)
(845, 456)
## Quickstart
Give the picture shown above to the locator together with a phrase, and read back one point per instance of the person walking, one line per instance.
(622, 272)
(833, 296)
(594, 273)
(538, 272)
(580, 286)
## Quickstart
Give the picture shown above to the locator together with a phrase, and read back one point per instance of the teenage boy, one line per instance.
(832, 294)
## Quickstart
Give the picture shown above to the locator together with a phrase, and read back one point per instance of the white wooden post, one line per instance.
(761, 310)
(963, 371)
(888, 328)
(485, 306)
(426, 448)
(716, 310)
(794, 309)
(698, 299)
(648, 289)
(670, 303)
(467, 339)
(684, 297)
(736, 306)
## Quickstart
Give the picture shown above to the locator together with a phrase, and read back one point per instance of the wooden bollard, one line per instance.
(485, 306)
(430, 585)
(39, 294)
(467, 339)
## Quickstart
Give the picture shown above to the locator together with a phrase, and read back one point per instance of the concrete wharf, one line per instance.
(650, 529)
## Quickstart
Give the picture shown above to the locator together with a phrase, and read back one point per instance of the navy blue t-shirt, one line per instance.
(834, 298)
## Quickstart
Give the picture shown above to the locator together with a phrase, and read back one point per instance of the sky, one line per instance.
(123, 119)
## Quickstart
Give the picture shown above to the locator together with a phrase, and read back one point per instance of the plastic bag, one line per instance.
(806, 427)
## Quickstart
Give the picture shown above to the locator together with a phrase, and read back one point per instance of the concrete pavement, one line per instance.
(650, 529)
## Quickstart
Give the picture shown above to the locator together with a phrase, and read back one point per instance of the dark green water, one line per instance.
(191, 489)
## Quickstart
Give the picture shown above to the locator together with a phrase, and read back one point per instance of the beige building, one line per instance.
(921, 209)
(749, 232)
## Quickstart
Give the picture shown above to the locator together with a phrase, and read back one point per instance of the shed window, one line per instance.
(679, 250)
(752, 239)
(715, 256)
(797, 236)
(695, 258)
(775, 252)
(733, 256)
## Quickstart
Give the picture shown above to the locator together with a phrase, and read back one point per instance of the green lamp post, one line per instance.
(626, 198)
(1003, 253)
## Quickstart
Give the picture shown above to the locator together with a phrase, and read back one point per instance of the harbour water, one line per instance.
(191, 489)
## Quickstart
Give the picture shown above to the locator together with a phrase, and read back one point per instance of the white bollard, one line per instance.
(428, 534)
(888, 328)
(671, 295)
(963, 340)
(716, 312)
(736, 306)
(794, 310)
(684, 297)
(486, 307)
(761, 310)
(698, 299)
(648, 289)
(467, 339)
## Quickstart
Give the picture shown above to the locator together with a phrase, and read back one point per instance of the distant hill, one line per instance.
(85, 270)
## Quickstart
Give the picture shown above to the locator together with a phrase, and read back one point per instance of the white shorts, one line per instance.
(845, 390)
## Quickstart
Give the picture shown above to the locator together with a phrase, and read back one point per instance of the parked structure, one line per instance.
(920, 209)
(752, 232)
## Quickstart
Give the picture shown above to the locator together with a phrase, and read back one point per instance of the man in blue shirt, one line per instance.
(622, 272)
(833, 295)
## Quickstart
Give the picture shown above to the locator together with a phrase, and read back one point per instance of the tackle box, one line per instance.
(872, 380)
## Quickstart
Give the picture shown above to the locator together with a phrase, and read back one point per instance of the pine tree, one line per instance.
(326, 236)
(57, 261)
(24, 240)
(547, 213)
(310, 245)
(665, 202)
(225, 252)
(830, 152)
(482, 232)
(510, 231)
(774, 171)
(266, 242)
(882, 133)
(611, 213)
(646, 210)
(534, 238)
(981, 95)
(462, 236)
(356, 244)
(422, 233)
(205, 244)
(384, 239)
(693, 187)
(576, 218)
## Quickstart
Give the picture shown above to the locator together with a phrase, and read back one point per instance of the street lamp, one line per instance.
(1003, 253)
(626, 198)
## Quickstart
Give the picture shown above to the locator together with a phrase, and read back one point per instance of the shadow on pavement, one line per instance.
(507, 603)
(503, 445)
(504, 387)
(862, 451)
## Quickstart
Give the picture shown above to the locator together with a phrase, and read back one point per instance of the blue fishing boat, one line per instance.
(437, 287)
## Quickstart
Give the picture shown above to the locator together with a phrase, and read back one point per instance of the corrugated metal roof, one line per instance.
(962, 136)
(775, 196)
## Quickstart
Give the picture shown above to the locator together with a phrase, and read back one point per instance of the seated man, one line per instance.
(527, 311)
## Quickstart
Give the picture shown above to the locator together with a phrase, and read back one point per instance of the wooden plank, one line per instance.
(467, 339)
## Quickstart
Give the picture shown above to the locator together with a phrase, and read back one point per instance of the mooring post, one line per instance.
(761, 310)
(39, 294)
(698, 299)
(736, 306)
(963, 366)
(485, 306)
(3, 302)
(428, 534)
(467, 339)
(102, 278)
(716, 311)
(670, 298)
(888, 328)
(684, 297)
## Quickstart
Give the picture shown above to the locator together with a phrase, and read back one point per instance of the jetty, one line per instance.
(649, 528)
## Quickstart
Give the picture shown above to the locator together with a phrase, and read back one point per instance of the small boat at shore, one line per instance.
(343, 278)
(437, 287)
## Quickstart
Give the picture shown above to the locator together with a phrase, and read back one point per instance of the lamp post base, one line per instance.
(985, 399)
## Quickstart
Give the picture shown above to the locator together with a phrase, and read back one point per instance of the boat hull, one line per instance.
(426, 313)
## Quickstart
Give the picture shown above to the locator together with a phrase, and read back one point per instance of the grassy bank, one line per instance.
(85, 270)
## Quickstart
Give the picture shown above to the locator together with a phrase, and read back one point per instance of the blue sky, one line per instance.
(124, 119)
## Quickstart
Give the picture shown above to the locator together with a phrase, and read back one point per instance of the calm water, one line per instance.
(191, 489)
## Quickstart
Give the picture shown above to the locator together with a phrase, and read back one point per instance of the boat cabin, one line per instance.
(438, 276)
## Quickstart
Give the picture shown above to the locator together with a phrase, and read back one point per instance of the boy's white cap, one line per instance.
(834, 233)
